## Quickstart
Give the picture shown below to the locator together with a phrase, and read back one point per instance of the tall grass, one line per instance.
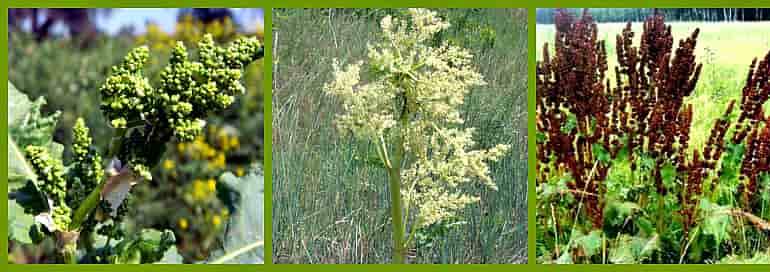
(331, 204)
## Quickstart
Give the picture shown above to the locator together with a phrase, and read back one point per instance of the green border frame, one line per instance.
(267, 6)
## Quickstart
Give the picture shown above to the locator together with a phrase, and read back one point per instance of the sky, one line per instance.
(165, 18)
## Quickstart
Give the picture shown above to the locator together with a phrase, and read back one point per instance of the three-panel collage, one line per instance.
(422, 135)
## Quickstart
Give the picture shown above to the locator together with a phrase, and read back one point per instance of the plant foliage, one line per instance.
(615, 159)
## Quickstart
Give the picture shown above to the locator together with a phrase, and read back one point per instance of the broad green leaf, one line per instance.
(244, 231)
(717, 221)
(591, 243)
(148, 246)
(19, 169)
(19, 223)
(616, 212)
(668, 174)
(27, 126)
(633, 249)
(601, 153)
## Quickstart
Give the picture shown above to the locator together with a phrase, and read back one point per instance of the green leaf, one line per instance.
(616, 212)
(30, 198)
(570, 125)
(633, 249)
(601, 153)
(27, 126)
(668, 174)
(148, 246)
(19, 169)
(591, 243)
(717, 220)
(245, 228)
(19, 223)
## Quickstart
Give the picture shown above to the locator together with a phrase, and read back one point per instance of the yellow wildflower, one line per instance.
(182, 223)
(212, 185)
(216, 220)
(234, 142)
(199, 190)
(219, 161)
(168, 164)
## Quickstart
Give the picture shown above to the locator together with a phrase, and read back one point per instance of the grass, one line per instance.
(724, 49)
(330, 205)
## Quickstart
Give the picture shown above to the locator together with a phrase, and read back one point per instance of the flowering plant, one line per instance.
(72, 204)
(405, 99)
(618, 179)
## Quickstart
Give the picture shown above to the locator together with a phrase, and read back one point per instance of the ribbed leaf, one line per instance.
(244, 231)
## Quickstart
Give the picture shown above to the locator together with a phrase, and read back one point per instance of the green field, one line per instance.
(330, 205)
(724, 49)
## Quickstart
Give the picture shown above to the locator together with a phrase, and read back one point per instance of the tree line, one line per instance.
(545, 16)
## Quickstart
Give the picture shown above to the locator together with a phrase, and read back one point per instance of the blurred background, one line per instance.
(64, 55)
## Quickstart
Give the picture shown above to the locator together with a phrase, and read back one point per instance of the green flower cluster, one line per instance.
(188, 92)
(51, 182)
(87, 170)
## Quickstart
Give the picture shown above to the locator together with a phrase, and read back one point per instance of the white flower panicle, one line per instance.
(411, 99)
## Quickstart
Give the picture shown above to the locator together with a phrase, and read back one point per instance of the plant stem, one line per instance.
(85, 208)
(396, 210)
(90, 203)
(395, 206)
(70, 256)
(238, 252)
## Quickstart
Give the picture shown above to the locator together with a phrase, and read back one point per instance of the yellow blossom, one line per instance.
(200, 191)
(219, 161)
(182, 223)
(168, 164)
(234, 142)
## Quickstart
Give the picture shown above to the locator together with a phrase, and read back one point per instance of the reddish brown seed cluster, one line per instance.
(572, 83)
(651, 85)
(578, 111)
(756, 160)
(755, 94)
(693, 189)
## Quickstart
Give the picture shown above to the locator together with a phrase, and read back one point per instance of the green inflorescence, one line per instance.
(146, 118)
(50, 180)
(87, 164)
(189, 90)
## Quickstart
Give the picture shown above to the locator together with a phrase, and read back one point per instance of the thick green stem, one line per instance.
(395, 206)
(85, 208)
(67, 241)
(396, 209)
(70, 253)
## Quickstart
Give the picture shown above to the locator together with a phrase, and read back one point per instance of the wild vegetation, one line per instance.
(327, 159)
(621, 178)
(210, 177)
